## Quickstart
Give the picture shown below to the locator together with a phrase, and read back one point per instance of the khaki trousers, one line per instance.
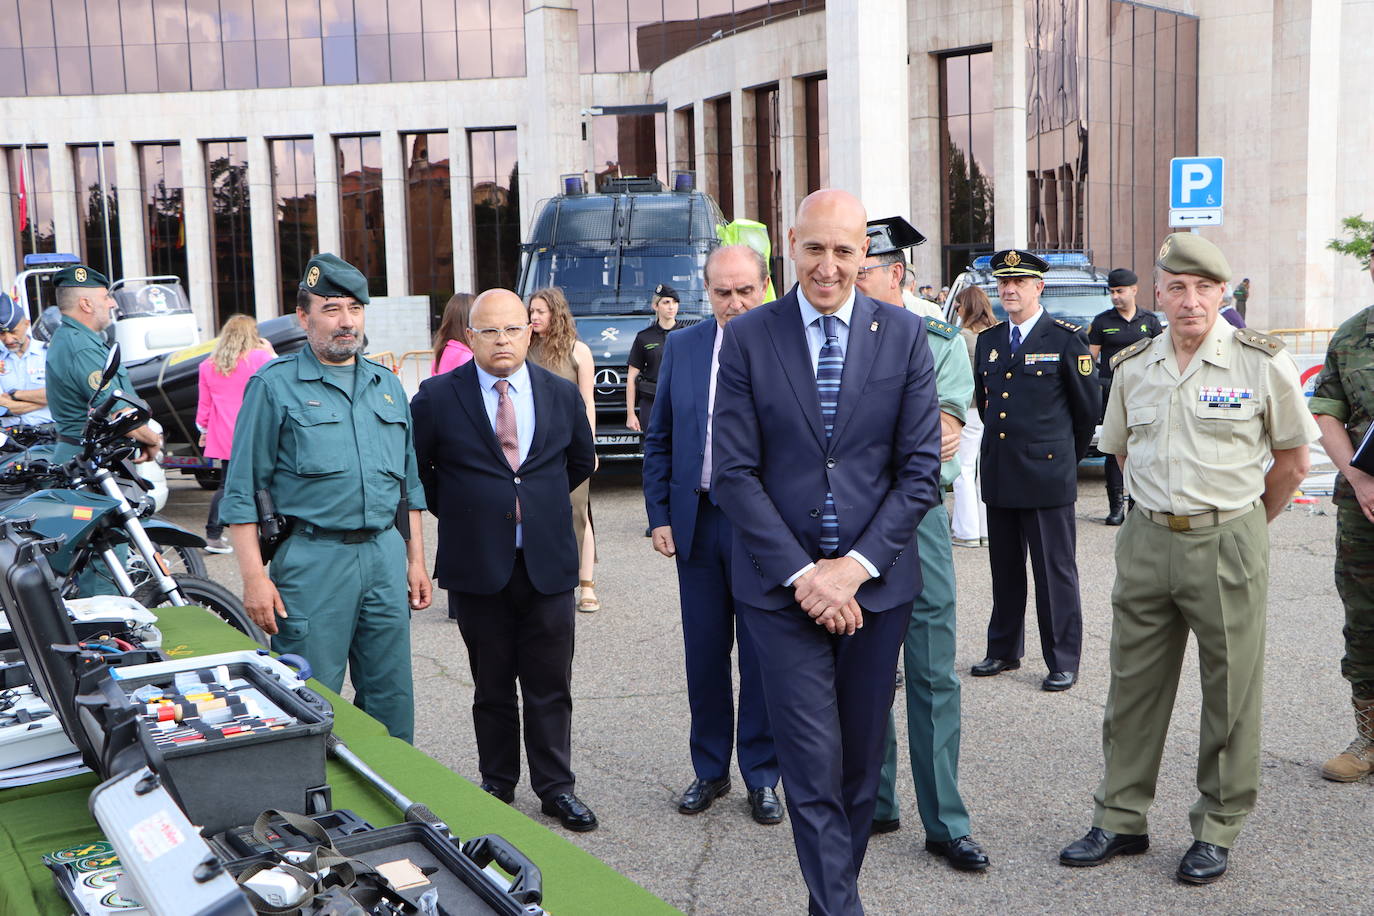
(1213, 581)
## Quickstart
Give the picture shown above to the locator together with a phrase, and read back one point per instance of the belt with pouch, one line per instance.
(1208, 519)
(315, 532)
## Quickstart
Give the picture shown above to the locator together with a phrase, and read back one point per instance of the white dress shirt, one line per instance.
(711, 407)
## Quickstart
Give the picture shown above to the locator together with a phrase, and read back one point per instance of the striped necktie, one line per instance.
(829, 369)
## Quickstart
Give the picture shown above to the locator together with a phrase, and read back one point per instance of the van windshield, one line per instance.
(601, 282)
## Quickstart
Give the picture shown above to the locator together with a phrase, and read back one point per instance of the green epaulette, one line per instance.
(941, 329)
(1261, 342)
(1138, 347)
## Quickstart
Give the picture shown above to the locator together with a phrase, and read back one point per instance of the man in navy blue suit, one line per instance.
(687, 523)
(826, 456)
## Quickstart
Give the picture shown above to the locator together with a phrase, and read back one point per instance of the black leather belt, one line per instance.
(347, 537)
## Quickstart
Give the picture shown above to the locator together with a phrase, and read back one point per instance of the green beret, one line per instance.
(80, 275)
(329, 275)
(1189, 253)
(1017, 263)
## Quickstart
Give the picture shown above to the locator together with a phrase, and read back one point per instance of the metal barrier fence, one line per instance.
(411, 367)
(1304, 340)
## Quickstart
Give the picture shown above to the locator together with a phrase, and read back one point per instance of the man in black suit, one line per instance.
(826, 456)
(1036, 387)
(500, 444)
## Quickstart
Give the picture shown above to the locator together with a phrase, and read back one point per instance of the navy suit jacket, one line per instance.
(772, 464)
(471, 488)
(675, 443)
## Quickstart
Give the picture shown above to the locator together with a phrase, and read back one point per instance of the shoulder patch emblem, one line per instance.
(1138, 347)
(1261, 342)
(1085, 364)
(94, 379)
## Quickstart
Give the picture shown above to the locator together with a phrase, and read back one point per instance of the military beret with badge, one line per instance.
(330, 276)
(81, 276)
(1188, 253)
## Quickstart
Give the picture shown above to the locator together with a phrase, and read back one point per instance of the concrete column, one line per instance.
(9, 260)
(263, 230)
(792, 163)
(394, 182)
(927, 179)
(1302, 165)
(195, 204)
(740, 160)
(133, 243)
(327, 193)
(703, 159)
(64, 210)
(866, 65)
(1009, 129)
(460, 197)
(550, 141)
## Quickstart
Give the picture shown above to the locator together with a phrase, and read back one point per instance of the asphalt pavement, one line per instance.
(1030, 759)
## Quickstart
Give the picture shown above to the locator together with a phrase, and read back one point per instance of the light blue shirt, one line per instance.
(1028, 325)
(815, 339)
(522, 396)
(24, 373)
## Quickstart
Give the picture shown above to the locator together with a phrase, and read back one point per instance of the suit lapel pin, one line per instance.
(873, 326)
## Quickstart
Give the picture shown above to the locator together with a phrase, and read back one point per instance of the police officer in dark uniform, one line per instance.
(1036, 387)
(646, 355)
(1111, 332)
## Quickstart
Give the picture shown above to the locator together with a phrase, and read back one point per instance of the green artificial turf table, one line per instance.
(53, 815)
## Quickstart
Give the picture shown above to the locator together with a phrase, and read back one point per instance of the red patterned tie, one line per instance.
(506, 432)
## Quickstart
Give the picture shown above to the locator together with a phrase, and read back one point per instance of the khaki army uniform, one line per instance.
(1193, 555)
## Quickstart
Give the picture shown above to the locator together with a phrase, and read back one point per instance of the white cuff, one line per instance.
(799, 573)
(863, 561)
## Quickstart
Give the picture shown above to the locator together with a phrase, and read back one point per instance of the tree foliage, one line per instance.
(1360, 243)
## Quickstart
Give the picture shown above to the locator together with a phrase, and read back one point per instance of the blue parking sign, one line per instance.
(1195, 182)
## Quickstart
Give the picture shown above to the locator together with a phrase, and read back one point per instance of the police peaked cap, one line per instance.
(891, 233)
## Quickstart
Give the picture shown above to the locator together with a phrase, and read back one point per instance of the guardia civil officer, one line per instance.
(327, 433)
(76, 360)
(1111, 332)
(1343, 403)
(1195, 416)
(932, 687)
(646, 356)
(1037, 391)
(23, 369)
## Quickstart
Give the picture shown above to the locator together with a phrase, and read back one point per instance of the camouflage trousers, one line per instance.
(1355, 584)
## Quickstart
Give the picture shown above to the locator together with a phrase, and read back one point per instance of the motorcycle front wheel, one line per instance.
(208, 594)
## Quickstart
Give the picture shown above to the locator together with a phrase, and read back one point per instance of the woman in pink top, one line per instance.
(238, 353)
(450, 348)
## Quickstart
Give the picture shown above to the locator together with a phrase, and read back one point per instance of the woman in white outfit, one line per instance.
(970, 520)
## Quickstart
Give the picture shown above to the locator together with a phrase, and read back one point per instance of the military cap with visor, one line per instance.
(81, 276)
(1015, 262)
(10, 314)
(330, 276)
(891, 233)
(1189, 253)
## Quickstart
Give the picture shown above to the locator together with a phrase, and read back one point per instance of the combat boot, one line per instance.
(1116, 505)
(1357, 761)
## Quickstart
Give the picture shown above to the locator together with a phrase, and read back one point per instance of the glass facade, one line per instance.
(362, 221)
(231, 238)
(297, 218)
(429, 218)
(817, 101)
(616, 35)
(97, 207)
(495, 208)
(722, 186)
(1124, 75)
(31, 201)
(164, 225)
(630, 145)
(76, 47)
(768, 172)
(966, 158)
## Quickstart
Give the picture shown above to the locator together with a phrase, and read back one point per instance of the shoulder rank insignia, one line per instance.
(1138, 347)
(1261, 342)
(1085, 364)
(1068, 325)
(940, 328)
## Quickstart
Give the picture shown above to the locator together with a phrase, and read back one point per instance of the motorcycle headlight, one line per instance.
(146, 505)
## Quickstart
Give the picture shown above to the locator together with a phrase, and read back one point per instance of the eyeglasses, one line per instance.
(865, 271)
(491, 335)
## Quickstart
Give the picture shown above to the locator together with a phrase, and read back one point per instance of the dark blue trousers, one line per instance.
(828, 700)
(1050, 536)
(709, 625)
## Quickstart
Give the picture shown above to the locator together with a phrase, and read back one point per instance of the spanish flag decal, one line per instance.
(82, 513)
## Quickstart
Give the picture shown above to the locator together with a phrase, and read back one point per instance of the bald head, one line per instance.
(498, 332)
(828, 243)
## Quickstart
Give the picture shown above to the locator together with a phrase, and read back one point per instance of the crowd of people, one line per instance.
(797, 454)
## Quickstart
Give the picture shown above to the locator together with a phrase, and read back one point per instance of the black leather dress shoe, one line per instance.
(505, 795)
(990, 666)
(1059, 680)
(1098, 845)
(701, 793)
(961, 852)
(570, 811)
(765, 806)
(1203, 863)
(885, 825)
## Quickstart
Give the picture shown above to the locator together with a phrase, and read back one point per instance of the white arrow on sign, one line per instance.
(1190, 218)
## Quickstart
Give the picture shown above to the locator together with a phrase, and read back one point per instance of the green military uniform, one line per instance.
(1343, 391)
(76, 361)
(932, 688)
(333, 445)
(1193, 555)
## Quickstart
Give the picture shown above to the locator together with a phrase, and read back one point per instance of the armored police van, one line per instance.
(607, 250)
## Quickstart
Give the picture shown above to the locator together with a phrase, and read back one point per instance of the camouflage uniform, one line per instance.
(1345, 390)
